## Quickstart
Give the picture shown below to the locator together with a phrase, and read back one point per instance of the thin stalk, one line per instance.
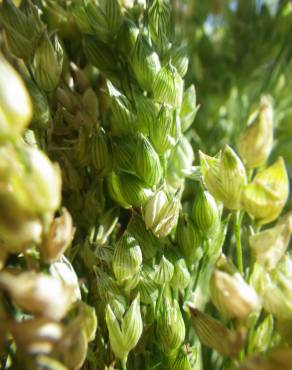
(30, 71)
(163, 162)
(199, 271)
(175, 294)
(193, 285)
(124, 364)
(159, 299)
(190, 286)
(250, 173)
(237, 232)
(241, 356)
(251, 332)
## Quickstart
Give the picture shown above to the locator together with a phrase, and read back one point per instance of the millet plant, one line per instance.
(119, 249)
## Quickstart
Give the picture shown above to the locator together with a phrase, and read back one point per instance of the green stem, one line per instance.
(190, 286)
(241, 356)
(163, 162)
(237, 232)
(159, 299)
(249, 174)
(175, 294)
(124, 364)
(200, 269)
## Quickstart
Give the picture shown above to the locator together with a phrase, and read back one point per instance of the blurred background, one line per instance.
(239, 50)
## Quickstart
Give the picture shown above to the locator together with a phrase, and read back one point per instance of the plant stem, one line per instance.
(124, 364)
(190, 286)
(237, 232)
(250, 174)
(159, 299)
(193, 285)
(200, 269)
(175, 294)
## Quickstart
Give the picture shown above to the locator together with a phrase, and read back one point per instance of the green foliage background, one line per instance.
(239, 50)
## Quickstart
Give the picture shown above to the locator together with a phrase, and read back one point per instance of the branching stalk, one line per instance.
(237, 232)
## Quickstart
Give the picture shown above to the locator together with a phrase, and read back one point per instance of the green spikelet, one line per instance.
(205, 212)
(145, 63)
(189, 239)
(134, 191)
(168, 87)
(165, 131)
(99, 55)
(127, 258)
(147, 162)
(170, 327)
(148, 242)
(123, 153)
(101, 156)
(188, 108)
(123, 117)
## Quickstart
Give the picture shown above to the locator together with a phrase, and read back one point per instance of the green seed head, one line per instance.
(265, 197)
(179, 162)
(124, 335)
(123, 118)
(274, 288)
(224, 177)
(99, 55)
(147, 163)
(205, 213)
(148, 242)
(127, 37)
(145, 63)
(170, 327)
(270, 245)
(163, 272)
(41, 109)
(189, 239)
(159, 14)
(127, 258)
(147, 287)
(179, 59)
(31, 179)
(48, 63)
(115, 191)
(104, 18)
(134, 191)
(154, 207)
(78, 11)
(123, 153)
(88, 317)
(159, 17)
(181, 276)
(161, 214)
(256, 142)
(22, 28)
(100, 151)
(147, 112)
(188, 108)
(264, 333)
(165, 131)
(168, 87)
(180, 361)
(15, 103)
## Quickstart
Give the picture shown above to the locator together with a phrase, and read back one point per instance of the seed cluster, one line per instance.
(113, 244)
